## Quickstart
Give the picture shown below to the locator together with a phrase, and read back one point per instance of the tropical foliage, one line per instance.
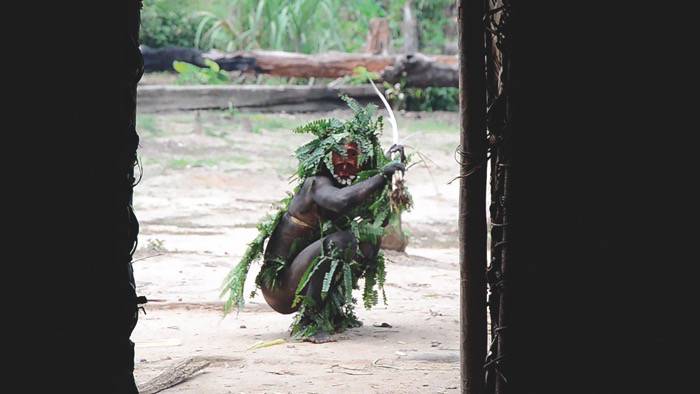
(168, 23)
(436, 26)
(308, 26)
(191, 74)
(422, 99)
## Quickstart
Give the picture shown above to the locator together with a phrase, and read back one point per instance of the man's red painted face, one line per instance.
(345, 168)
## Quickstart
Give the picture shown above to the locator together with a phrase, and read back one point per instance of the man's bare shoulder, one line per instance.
(318, 180)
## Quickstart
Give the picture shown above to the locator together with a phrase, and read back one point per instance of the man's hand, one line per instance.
(397, 148)
(392, 167)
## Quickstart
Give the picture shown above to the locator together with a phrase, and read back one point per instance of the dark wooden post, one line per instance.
(472, 197)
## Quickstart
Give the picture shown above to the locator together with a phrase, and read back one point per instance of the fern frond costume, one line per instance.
(347, 219)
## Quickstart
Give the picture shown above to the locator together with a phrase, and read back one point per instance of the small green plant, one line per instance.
(179, 164)
(156, 245)
(360, 75)
(186, 163)
(190, 74)
(232, 111)
(421, 99)
(432, 99)
(257, 122)
(395, 95)
(215, 133)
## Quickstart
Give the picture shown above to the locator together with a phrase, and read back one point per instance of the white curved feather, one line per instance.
(394, 129)
(392, 119)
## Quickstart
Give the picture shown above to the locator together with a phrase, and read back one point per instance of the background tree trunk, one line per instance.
(409, 29)
(378, 37)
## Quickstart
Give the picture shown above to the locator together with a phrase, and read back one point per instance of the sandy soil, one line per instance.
(208, 178)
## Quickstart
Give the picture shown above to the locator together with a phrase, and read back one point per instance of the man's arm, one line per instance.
(340, 200)
(343, 199)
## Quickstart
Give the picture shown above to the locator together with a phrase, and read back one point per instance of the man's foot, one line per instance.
(319, 337)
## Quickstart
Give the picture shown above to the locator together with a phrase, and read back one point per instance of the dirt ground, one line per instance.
(208, 178)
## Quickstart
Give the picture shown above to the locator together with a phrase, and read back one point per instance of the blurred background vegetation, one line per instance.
(307, 26)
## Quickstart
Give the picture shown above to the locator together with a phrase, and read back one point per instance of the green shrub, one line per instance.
(421, 99)
(190, 74)
(360, 75)
(432, 99)
(167, 23)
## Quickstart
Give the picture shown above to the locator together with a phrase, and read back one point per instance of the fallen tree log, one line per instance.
(259, 98)
(418, 69)
(421, 71)
(290, 64)
(336, 65)
(161, 59)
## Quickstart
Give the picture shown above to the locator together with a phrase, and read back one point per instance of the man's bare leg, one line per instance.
(281, 299)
